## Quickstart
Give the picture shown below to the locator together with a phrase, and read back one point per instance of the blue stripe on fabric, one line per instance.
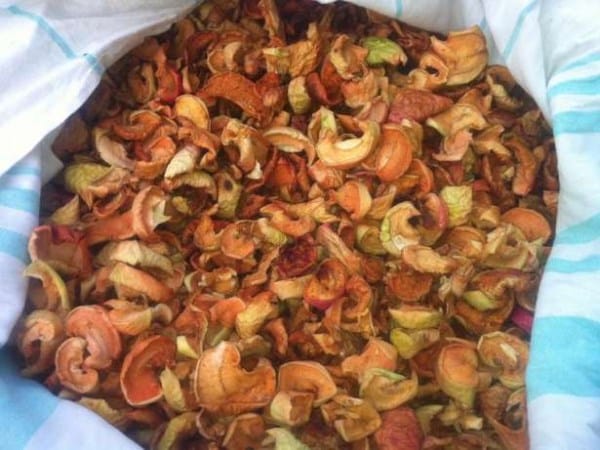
(44, 25)
(564, 357)
(56, 37)
(576, 122)
(581, 233)
(559, 265)
(93, 61)
(14, 244)
(26, 404)
(583, 61)
(399, 8)
(582, 86)
(484, 25)
(24, 170)
(22, 199)
(514, 36)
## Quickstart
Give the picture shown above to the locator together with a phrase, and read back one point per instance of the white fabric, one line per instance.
(578, 413)
(87, 431)
(53, 54)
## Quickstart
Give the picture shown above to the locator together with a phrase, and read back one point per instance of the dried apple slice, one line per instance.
(141, 282)
(309, 377)
(416, 104)
(326, 285)
(394, 152)
(353, 418)
(111, 151)
(42, 333)
(344, 153)
(62, 247)
(222, 385)
(56, 293)
(355, 198)
(139, 376)
(193, 108)
(376, 354)
(456, 372)
(400, 428)
(397, 232)
(239, 90)
(387, 390)
(92, 323)
(291, 408)
(69, 362)
(533, 225)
